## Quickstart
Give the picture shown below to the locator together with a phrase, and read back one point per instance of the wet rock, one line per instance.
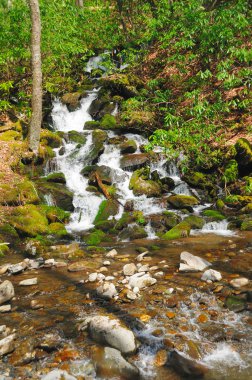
(56, 177)
(141, 280)
(61, 196)
(211, 275)
(165, 221)
(239, 282)
(29, 282)
(132, 233)
(181, 230)
(235, 303)
(195, 222)
(58, 374)
(185, 366)
(105, 173)
(113, 364)
(7, 344)
(143, 268)
(17, 268)
(78, 266)
(107, 208)
(131, 295)
(244, 154)
(49, 342)
(132, 162)
(4, 268)
(192, 263)
(77, 137)
(71, 100)
(92, 277)
(142, 256)
(129, 146)
(142, 185)
(183, 201)
(111, 254)
(36, 304)
(106, 330)
(5, 308)
(129, 269)
(6, 291)
(107, 290)
(97, 147)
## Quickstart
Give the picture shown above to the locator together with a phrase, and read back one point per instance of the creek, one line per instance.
(180, 311)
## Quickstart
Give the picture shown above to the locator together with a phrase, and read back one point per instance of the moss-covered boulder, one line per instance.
(220, 205)
(237, 201)
(23, 192)
(106, 225)
(181, 230)
(104, 172)
(108, 122)
(247, 209)
(100, 107)
(95, 237)
(97, 148)
(141, 185)
(72, 100)
(213, 215)
(168, 184)
(10, 136)
(200, 181)
(246, 225)
(77, 137)
(165, 221)
(58, 193)
(195, 222)
(8, 233)
(124, 85)
(51, 139)
(56, 177)
(133, 233)
(244, 155)
(58, 230)
(127, 147)
(28, 221)
(91, 125)
(55, 214)
(183, 201)
(132, 162)
(107, 208)
(230, 172)
(116, 140)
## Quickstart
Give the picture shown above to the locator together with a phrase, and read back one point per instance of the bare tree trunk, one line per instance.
(79, 3)
(36, 118)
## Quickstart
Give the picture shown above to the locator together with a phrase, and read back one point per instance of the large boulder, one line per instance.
(6, 291)
(59, 194)
(57, 177)
(132, 162)
(164, 222)
(107, 208)
(97, 148)
(202, 181)
(123, 85)
(181, 230)
(132, 233)
(195, 222)
(127, 147)
(77, 137)
(141, 185)
(22, 192)
(110, 331)
(72, 100)
(183, 201)
(185, 366)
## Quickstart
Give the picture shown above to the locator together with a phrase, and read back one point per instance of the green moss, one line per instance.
(108, 122)
(179, 231)
(77, 137)
(182, 201)
(8, 233)
(28, 220)
(141, 185)
(246, 225)
(199, 180)
(10, 136)
(55, 214)
(244, 152)
(213, 215)
(237, 201)
(247, 209)
(4, 248)
(95, 237)
(129, 146)
(105, 225)
(230, 172)
(56, 177)
(50, 138)
(61, 196)
(107, 208)
(20, 193)
(58, 229)
(124, 221)
(139, 218)
(220, 205)
(92, 125)
(194, 221)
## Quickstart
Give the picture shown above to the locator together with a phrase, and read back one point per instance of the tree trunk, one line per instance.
(79, 3)
(36, 118)
(120, 10)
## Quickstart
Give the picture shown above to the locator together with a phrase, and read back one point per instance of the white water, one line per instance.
(219, 228)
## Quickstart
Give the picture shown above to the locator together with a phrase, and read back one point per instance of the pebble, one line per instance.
(100, 277)
(141, 280)
(142, 255)
(111, 253)
(17, 268)
(109, 278)
(35, 304)
(107, 290)
(6, 291)
(4, 268)
(129, 269)
(7, 344)
(131, 295)
(5, 308)
(29, 282)
(153, 268)
(103, 269)
(106, 262)
(159, 274)
(211, 275)
(169, 291)
(92, 277)
(143, 268)
(239, 282)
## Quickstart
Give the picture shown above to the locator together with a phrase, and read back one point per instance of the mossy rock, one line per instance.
(195, 222)
(77, 137)
(8, 233)
(95, 237)
(123, 85)
(49, 138)
(213, 215)
(10, 136)
(220, 205)
(59, 230)
(247, 188)
(97, 147)
(60, 195)
(100, 107)
(56, 177)
(230, 172)
(108, 122)
(117, 140)
(4, 248)
(200, 181)
(124, 221)
(106, 225)
(168, 184)
(247, 209)
(105, 174)
(244, 154)
(28, 221)
(23, 192)
(133, 233)
(234, 303)
(107, 208)
(246, 225)
(165, 221)
(237, 201)
(127, 147)
(143, 186)
(91, 125)
(55, 214)
(132, 162)
(183, 201)
(181, 230)
(72, 100)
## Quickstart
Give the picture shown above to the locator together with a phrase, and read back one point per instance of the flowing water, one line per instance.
(180, 311)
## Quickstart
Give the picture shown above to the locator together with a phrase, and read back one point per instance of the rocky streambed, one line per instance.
(133, 311)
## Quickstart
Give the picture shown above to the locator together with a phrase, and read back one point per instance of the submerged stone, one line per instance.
(186, 366)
